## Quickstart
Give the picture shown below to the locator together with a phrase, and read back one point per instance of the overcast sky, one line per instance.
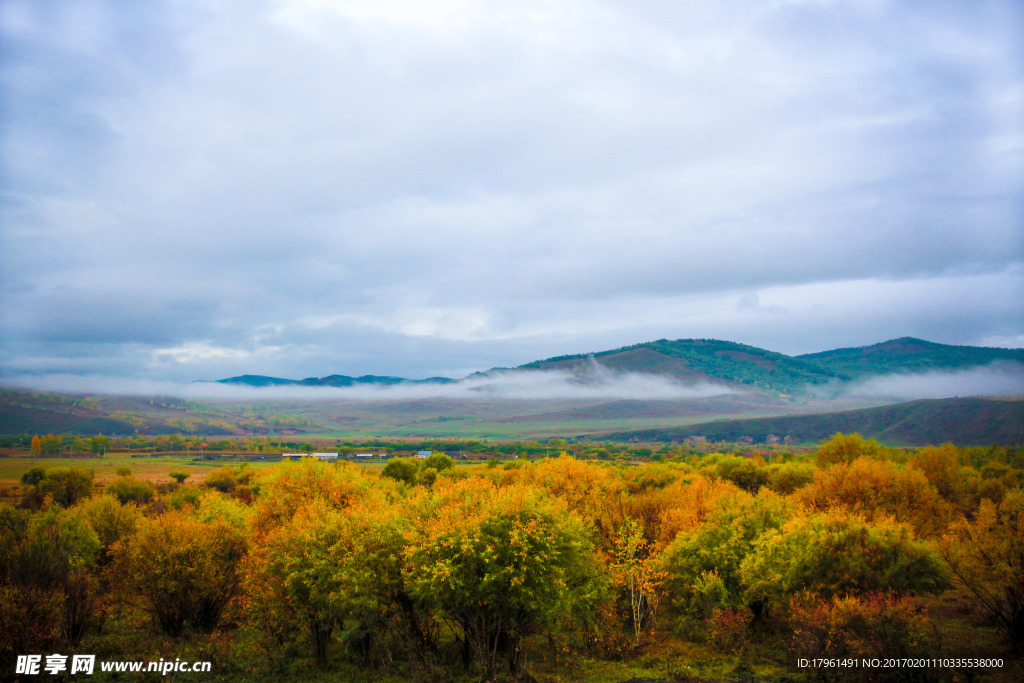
(196, 189)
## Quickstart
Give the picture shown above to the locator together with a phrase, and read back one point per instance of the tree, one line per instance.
(986, 556)
(502, 564)
(37, 445)
(845, 448)
(66, 484)
(402, 469)
(179, 476)
(185, 569)
(131, 490)
(439, 461)
(33, 477)
(99, 444)
(835, 554)
(877, 489)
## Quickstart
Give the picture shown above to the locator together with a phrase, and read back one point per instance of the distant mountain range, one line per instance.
(723, 362)
(766, 393)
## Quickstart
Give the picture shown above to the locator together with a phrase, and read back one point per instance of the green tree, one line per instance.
(131, 490)
(502, 564)
(402, 469)
(33, 477)
(66, 484)
(836, 554)
(439, 461)
(179, 476)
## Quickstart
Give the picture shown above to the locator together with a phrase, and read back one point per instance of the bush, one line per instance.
(402, 469)
(874, 625)
(131, 490)
(222, 479)
(834, 554)
(66, 485)
(702, 567)
(184, 569)
(727, 628)
(878, 490)
(502, 564)
(186, 495)
(845, 448)
(986, 556)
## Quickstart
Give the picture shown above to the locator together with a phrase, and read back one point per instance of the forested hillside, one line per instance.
(962, 421)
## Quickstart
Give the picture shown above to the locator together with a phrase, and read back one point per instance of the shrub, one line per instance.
(727, 628)
(834, 554)
(845, 448)
(66, 485)
(179, 476)
(439, 461)
(986, 556)
(183, 568)
(877, 490)
(222, 479)
(743, 472)
(402, 469)
(875, 625)
(131, 490)
(702, 567)
(502, 564)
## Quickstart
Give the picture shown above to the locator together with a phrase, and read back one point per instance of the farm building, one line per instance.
(318, 456)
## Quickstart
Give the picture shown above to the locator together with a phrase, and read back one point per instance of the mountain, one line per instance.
(329, 381)
(907, 355)
(708, 360)
(721, 362)
(961, 421)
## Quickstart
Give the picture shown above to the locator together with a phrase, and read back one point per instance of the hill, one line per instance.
(328, 381)
(736, 365)
(907, 355)
(713, 360)
(961, 421)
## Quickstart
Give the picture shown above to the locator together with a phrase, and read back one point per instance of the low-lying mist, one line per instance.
(595, 383)
(997, 379)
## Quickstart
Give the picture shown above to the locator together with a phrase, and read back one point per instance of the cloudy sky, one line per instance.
(196, 189)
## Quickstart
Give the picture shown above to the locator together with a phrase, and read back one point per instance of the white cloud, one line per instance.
(1005, 379)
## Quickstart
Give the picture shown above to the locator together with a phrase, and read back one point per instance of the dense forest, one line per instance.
(673, 565)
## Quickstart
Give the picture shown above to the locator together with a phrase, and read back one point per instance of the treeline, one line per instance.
(430, 571)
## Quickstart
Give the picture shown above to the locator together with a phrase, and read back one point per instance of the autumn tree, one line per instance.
(877, 489)
(501, 564)
(845, 448)
(184, 569)
(986, 556)
(837, 554)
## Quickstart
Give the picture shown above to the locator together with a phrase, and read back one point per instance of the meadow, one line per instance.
(578, 563)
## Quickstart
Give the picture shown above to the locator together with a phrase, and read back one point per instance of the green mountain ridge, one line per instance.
(730, 363)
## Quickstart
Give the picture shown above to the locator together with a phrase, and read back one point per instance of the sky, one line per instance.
(297, 188)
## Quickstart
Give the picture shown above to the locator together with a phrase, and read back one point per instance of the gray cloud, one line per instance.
(301, 187)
